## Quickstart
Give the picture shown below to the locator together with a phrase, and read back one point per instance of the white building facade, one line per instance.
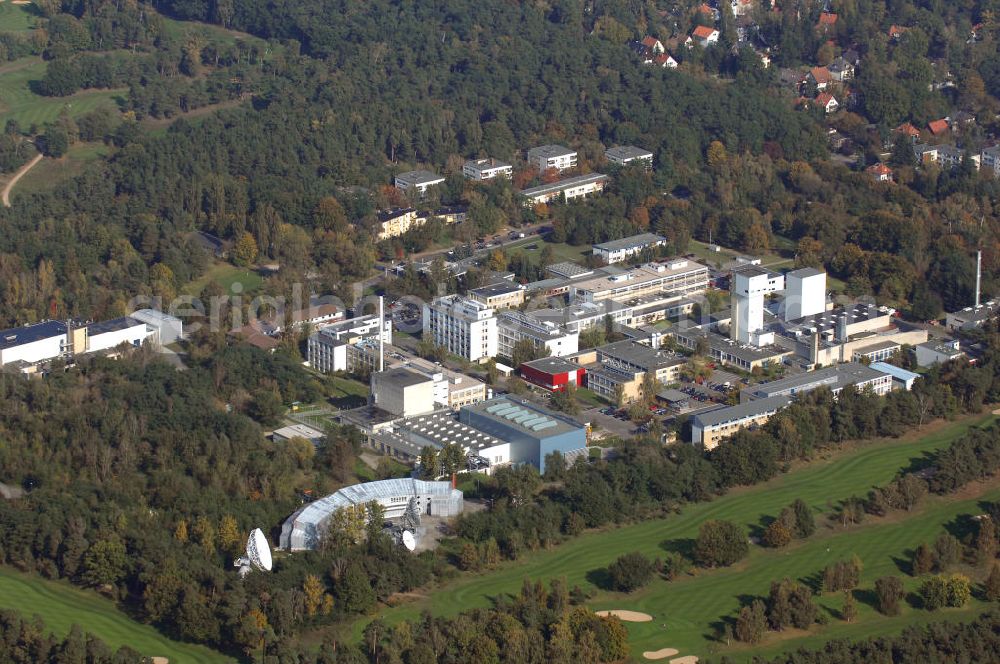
(805, 293)
(515, 326)
(558, 157)
(749, 288)
(464, 327)
(486, 169)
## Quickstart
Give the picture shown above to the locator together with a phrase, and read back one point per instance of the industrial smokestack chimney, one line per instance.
(979, 274)
(381, 334)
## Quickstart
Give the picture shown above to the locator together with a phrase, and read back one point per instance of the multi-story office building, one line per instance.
(617, 251)
(348, 345)
(418, 180)
(545, 157)
(515, 326)
(679, 277)
(629, 154)
(486, 169)
(567, 189)
(464, 327)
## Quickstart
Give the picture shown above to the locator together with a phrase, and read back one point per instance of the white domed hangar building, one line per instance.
(303, 529)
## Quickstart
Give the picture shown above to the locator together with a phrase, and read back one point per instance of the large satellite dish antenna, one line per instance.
(408, 541)
(257, 556)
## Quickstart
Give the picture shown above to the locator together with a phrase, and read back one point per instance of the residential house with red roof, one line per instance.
(908, 129)
(665, 60)
(879, 172)
(653, 44)
(938, 127)
(827, 101)
(827, 21)
(703, 36)
(820, 77)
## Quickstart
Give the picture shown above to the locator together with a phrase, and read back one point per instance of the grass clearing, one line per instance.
(226, 275)
(49, 173)
(18, 102)
(213, 34)
(561, 252)
(61, 606)
(18, 18)
(691, 606)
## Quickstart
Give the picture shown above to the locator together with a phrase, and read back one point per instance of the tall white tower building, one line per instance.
(465, 327)
(748, 290)
(805, 293)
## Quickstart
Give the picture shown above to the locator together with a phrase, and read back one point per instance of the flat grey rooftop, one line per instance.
(741, 411)
(562, 185)
(525, 416)
(626, 152)
(632, 242)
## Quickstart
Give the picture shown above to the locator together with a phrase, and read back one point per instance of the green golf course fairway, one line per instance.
(61, 605)
(691, 605)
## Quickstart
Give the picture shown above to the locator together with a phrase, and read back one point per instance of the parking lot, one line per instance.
(617, 426)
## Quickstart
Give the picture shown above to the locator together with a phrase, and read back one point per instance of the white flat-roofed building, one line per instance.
(709, 428)
(418, 180)
(938, 351)
(624, 155)
(515, 326)
(34, 343)
(284, 434)
(168, 328)
(836, 378)
(567, 189)
(304, 530)
(805, 293)
(464, 327)
(328, 349)
(486, 169)
(750, 285)
(616, 251)
(112, 333)
(405, 439)
(558, 157)
(403, 392)
(680, 277)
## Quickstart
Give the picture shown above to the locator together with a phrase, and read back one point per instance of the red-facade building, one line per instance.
(552, 373)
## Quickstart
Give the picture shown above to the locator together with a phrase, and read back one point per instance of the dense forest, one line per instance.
(333, 107)
(940, 643)
(142, 480)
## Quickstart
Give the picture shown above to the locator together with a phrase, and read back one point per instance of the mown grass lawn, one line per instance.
(49, 173)
(18, 102)
(61, 606)
(226, 275)
(17, 18)
(692, 606)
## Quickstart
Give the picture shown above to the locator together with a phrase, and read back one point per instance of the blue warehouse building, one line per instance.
(531, 430)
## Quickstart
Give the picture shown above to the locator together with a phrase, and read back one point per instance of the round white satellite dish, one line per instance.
(257, 556)
(408, 540)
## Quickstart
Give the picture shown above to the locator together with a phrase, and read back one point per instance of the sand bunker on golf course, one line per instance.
(686, 659)
(662, 653)
(627, 616)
